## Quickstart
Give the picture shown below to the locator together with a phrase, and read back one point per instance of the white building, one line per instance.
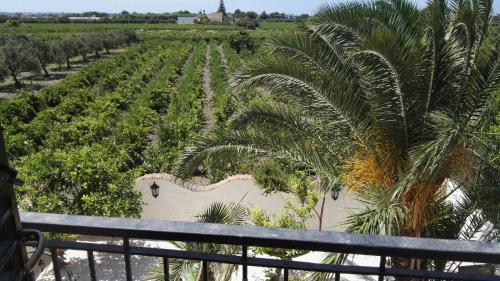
(186, 20)
(217, 17)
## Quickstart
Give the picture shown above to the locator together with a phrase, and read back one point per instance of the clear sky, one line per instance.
(157, 6)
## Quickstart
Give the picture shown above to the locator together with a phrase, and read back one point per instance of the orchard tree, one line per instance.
(59, 55)
(70, 49)
(83, 47)
(17, 56)
(44, 52)
(3, 70)
(131, 36)
(112, 41)
(95, 43)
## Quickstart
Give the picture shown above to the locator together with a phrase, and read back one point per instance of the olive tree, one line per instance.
(112, 41)
(69, 49)
(44, 52)
(83, 47)
(17, 56)
(95, 43)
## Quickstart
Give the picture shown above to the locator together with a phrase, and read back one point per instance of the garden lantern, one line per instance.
(335, 193)
(155, 190)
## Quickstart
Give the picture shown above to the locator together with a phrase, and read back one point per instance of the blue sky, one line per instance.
(288, 6)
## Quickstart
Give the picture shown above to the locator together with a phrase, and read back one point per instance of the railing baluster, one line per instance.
(126, 249)
(382, 268)
(337, 276)
(90, 257)
(55, 264)
(285, 275)
(244, 258)
(205, 270)
(166, 269)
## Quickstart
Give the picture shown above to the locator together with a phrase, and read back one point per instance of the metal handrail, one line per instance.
(28, 235)
(249, 236)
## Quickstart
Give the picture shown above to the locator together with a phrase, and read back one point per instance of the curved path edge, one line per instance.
(192, 186)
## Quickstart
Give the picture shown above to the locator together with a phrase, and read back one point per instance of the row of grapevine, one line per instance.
(182, 122)
(234, 64)
(222, 103)
(52, 127)
(25, 107)
(92, 169)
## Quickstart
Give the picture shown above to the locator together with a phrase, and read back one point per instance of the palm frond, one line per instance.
(222, 213)
(381, 86)
(257, 142)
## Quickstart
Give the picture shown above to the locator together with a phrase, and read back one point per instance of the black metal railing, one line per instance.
(246, 236)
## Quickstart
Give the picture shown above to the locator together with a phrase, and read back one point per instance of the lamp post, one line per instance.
(155, 190)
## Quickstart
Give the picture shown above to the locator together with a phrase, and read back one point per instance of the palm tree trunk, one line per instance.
(419, 200)
(322, 211)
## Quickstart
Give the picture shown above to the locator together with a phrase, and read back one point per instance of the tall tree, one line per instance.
(222, 8)
(407, 91)
(264, 15)
(238, 13)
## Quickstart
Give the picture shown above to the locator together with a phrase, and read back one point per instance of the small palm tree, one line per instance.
(185, 270)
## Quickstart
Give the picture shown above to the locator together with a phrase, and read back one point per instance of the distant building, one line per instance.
(217, 17)
(186, 20)
(496, 18)
(91, 18)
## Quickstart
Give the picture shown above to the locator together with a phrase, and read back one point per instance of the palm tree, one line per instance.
(390, 99)
(181, 270)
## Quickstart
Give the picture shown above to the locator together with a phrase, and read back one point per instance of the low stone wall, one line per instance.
(194, 187)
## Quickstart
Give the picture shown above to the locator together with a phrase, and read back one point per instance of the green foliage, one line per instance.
(183, 119)
(82, 181)
(217, 213)
(223, 105)
(284, 220)
(12, 23)
(241, 40)
(271, 177)
(295, 216)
